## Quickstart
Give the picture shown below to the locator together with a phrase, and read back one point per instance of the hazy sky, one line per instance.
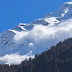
(13, 12)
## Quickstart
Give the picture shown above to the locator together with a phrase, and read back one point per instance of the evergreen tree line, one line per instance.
(57, 59)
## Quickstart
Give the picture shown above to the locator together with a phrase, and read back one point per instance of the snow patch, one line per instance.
(68, 2)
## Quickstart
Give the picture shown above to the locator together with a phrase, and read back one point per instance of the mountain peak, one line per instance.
(68, 2)
(65, 11)
(37, 36)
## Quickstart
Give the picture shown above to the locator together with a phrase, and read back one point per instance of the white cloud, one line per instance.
(37, 40)
(14, 58)
(42, 37)
(31, 44)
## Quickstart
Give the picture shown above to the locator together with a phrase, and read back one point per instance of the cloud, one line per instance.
(14, 58)
(37, 40)
(43, 37)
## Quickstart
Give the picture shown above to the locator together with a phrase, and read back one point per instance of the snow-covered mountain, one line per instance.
(26, 40)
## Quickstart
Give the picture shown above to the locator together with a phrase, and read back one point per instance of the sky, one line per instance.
(13, 12)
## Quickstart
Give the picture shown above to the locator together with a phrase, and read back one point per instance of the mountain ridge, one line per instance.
(37, 36)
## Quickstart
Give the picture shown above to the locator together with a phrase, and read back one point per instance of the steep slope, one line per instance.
(37, 36)
(64, 12)
(56, 59)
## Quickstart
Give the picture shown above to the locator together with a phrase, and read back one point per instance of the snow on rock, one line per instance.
(68, 2)
(64, 12)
